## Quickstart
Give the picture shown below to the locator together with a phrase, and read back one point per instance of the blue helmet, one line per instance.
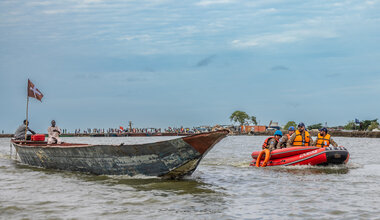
(278, 132)
(291, 128)
(323, 129)
(301, 124)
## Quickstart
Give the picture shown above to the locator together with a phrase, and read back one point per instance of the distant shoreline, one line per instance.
(113, 135)
(362, 134)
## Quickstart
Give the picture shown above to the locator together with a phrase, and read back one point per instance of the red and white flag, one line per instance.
(34, 92)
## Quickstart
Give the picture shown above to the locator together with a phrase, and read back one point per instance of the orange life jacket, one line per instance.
(266, 141)
(299, 141)
(323, 141)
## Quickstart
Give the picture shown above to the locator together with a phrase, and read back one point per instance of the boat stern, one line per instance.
(337, 155)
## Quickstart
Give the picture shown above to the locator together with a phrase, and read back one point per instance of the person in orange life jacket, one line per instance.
(271, 142)
(285, 138)
(324, 139)
(300, 138)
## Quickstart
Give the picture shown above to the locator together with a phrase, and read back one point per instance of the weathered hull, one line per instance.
(172, 159)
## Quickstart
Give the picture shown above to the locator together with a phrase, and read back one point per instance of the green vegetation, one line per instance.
(364, 125)
(315, 126)
(289, 124)
(373, 125)
(253, 119)
(242, 118)
(350, 126)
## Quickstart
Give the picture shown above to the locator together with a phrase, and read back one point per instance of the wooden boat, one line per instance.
(168, 159)
(301, 156)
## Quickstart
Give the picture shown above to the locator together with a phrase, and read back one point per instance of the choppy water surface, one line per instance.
(223, 187)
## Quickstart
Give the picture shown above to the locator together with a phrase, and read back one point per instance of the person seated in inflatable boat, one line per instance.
(301, 137)
(324, 139)
(285, 138)
(271, 143)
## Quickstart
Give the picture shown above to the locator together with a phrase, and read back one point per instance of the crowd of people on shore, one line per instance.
(180, 130)
(134, 130)
(22, 129)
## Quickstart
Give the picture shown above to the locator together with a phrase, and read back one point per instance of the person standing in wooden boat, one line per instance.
(301, 137)
(54, 132)
(324, 139)
(20, 132)
(284, 140)
(271, 143)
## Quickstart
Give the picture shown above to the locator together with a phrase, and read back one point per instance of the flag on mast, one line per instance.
(34, 92)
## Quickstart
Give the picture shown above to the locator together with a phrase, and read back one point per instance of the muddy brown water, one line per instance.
(222, 187)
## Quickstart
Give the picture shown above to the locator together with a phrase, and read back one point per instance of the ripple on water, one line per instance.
(223, 187)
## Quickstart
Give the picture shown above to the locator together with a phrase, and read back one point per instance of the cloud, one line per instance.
(53, 12)
(214, 2)
(358, 89)
(283, 38)
(86, 76)
(293, 104)
(143, 37)
(39, 3)
(332, 75)
(279, 68)
(91, 1)
(206, 61)
(130, 77)
(136, 79)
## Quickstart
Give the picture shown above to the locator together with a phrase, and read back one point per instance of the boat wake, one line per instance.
(309, 169)
(5, 156)
(241, 164)
(227, 163)
(351, 165)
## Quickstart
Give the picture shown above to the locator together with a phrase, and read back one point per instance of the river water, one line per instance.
(222, 187)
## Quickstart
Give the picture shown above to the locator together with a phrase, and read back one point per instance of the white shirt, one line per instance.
(52, 132)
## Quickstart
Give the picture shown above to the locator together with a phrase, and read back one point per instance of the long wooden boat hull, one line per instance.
(169, 159)
(305, 156)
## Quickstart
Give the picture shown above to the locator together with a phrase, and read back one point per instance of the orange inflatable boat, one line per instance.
(308, 155)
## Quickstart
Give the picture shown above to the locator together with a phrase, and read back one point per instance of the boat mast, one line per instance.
(27, 106)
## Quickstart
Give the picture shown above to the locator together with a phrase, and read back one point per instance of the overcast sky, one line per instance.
(163, 63)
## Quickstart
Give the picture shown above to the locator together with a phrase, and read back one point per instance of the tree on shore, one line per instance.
(350, 126)
(289, 124)
(373, 125)
(242, 118)
(253, 119)
(364, 125)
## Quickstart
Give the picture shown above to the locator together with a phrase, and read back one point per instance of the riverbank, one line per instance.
(363, 134)
(222, 187)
